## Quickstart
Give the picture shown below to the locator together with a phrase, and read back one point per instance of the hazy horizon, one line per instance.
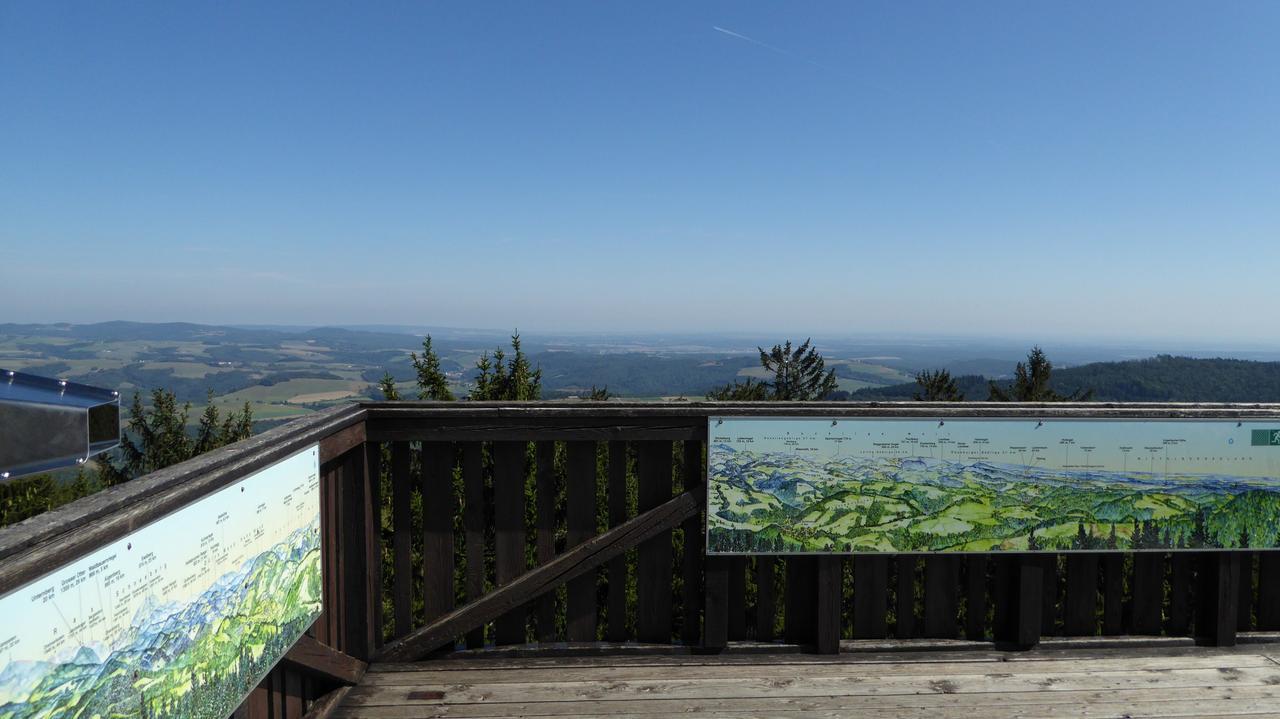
(1084, 172)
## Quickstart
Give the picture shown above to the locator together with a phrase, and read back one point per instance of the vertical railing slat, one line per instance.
(870, 596)
(766, 600)
(1148, 592)
(1080, 608)
(580, 516)
(401, 539)
(439, 505)
(545, 456)
(1269, 590)
(1113, 594)
(509, 537)
(975, 597)
(905, 628)
(941, 594)
(617, 567)
(473, 528)
(653, 562)
(694, 541)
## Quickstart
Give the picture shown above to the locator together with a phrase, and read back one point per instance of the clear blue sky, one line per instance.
(1069, 169)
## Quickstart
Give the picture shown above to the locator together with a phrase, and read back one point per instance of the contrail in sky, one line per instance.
(766, 45)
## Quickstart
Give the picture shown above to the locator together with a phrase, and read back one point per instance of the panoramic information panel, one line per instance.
(181, 618)
(795, 486)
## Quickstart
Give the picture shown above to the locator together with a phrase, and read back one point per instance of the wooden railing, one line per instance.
(551, 527)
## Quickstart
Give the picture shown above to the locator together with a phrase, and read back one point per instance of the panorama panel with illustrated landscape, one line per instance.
(888, 485)
(178, 620)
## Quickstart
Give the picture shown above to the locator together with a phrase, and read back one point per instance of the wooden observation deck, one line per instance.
(546, 559)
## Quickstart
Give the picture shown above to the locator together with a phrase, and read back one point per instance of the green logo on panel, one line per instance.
(1266, 438)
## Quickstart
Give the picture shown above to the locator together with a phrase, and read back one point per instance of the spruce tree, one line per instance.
(387, 386)
(1031, 383)
(432, 383)
(937, 386)
(799, 375)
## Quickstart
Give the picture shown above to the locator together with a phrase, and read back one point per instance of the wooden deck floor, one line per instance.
(1131, 682)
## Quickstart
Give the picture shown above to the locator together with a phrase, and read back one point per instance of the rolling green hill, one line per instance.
(1163, 378)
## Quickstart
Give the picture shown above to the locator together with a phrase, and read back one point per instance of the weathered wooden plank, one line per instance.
(1080, 608)
(547, 488)
(571, 563)
(774, 665)
(401, 539)
(1269, 590)
(617, 568)
(829, 589)
(509, 539)
(941, 596)
(694, 545)
(1113, 594)
(580, 502)
(1148, 592)
(324, 661)
(473, 528)
(870, 596)
(766, 601)
(653, 560)
(439, 505)
(975, 611)
(732, 687)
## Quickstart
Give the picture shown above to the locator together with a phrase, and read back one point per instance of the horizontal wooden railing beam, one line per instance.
(341, 442)
(532, 584)
(520, 429)
(678, 412)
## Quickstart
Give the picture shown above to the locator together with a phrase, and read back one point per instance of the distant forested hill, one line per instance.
(1163, 378)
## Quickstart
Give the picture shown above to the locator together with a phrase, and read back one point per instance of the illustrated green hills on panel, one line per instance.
(192, 661)
(783, 502)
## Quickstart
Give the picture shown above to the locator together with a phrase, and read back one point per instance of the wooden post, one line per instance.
(1216, 605)
(829, 593)
(715, 627)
